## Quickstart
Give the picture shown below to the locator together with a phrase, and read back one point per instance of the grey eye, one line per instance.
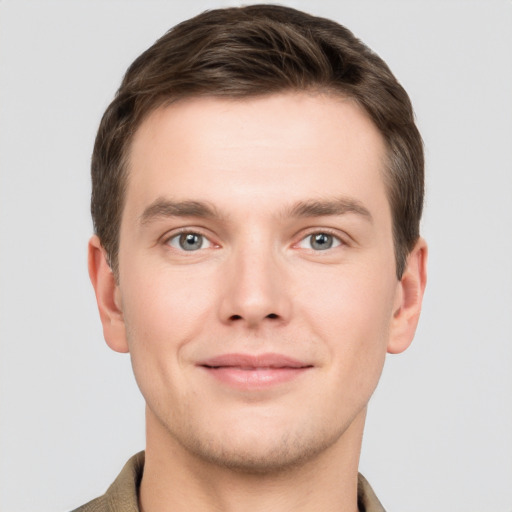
(189, 242)
(321, 241)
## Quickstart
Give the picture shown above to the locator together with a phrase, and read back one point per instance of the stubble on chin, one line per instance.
(258, 453)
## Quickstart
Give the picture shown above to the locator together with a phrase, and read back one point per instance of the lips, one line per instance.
(254, 371)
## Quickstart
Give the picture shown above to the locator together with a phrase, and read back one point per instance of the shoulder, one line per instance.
(122, 495)
(96, 505)
(367, 501)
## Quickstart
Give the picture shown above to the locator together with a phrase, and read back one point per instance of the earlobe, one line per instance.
(107, 297)
(409, 299)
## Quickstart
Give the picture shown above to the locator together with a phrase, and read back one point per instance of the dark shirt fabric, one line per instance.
(122, 495)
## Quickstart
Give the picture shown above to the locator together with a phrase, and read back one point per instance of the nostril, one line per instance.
(271, 316)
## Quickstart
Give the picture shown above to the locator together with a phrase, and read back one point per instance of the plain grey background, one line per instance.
(439, 430)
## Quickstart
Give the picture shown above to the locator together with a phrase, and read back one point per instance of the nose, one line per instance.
(255, 288)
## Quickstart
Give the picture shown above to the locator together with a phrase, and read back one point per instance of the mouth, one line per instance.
(245, 371)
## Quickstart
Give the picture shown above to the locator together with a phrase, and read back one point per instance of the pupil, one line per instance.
(321, 241)
(190, 241)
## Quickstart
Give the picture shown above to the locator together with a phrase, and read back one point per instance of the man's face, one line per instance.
(257, 283)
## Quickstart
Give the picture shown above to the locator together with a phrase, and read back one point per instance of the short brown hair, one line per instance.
(252, 51)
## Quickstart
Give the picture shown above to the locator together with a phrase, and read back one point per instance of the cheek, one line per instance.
(351, 310)
(351, 317)
(163, 312)
(159, 303)
(162, 316)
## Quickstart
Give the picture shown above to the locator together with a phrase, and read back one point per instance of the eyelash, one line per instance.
(337, 241)
(184, 232)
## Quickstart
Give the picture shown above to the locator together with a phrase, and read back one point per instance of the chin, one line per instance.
(260, 452)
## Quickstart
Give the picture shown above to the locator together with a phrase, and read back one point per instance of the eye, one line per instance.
(320, 242)
(189, 242)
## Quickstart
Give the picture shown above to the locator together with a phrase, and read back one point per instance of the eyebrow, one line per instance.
(336, 206)
(163, 208)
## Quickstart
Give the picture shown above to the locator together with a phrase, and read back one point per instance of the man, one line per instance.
(257, 191)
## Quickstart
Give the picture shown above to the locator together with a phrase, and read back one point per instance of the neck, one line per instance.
(174, 479)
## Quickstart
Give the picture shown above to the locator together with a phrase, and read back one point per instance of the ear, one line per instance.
(409, 298)
(108, 297)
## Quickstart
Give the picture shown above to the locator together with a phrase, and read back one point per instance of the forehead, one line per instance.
(276, 149)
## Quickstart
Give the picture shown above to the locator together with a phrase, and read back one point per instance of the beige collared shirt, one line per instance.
(121, 496)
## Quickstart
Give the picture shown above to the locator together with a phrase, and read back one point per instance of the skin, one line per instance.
(272, 172)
